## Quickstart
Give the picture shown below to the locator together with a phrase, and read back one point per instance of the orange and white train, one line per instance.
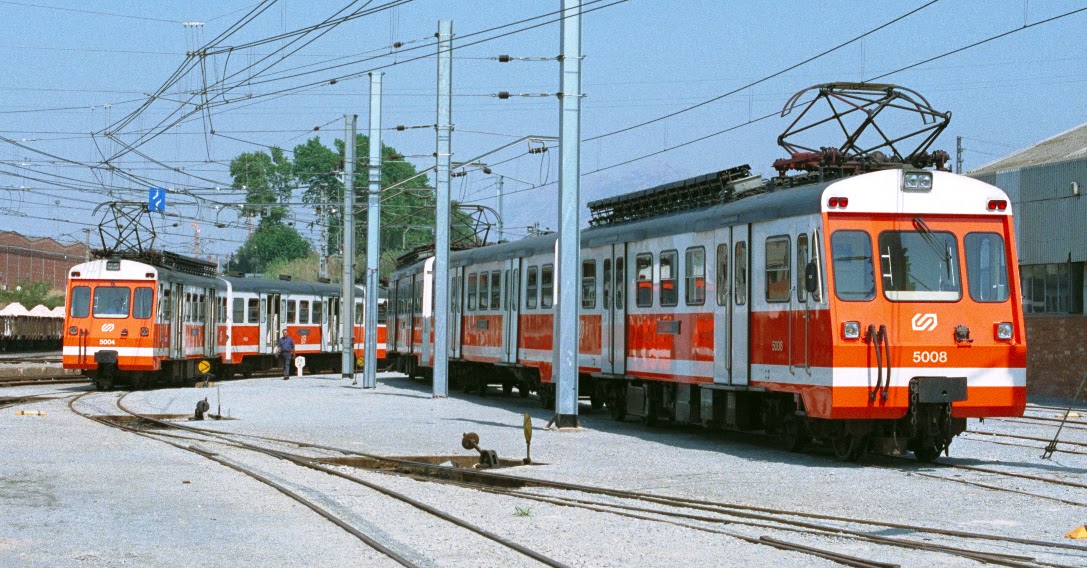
(138, 323)
(873, 312)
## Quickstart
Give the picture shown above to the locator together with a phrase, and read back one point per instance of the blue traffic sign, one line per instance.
(156, 199)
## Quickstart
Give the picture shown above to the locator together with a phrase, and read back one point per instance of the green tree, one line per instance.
(267, 179)
(272, 242)
(30, 294)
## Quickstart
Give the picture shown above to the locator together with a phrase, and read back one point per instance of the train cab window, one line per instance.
(694, 291)
(620, 282)
(588, 285)
(643, 269)
(496, 290)
(801, 266)
(722, 275)
(142, 302)
(854, 271)
(531, 285)
(778, 264)
(292, 312)
(669, 274)
(111, 301)
(607, 283)
(920, 266)
(739, 273)
(318, 312)
(238, 313)
(547, 286)
(472, 288)
(81, 302)
(303, 312)
(986, 267)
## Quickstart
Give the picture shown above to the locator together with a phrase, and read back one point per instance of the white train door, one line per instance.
(428, 312)
(741, 305)
(511, 275)
(613, 303)
(722, 306)
(177, 325)
(455, 309)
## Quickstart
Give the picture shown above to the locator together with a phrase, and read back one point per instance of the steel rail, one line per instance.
(246, 471)
(1030, 438)
(1005, 489)
(310, 463)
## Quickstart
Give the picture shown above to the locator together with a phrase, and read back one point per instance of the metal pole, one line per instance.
(444, 154)
(347, 306)
(373, 234)
(501, 224)
(958, 154)
(567, 325)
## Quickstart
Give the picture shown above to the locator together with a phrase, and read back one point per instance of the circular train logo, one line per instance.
(923, 322)
(107, 327)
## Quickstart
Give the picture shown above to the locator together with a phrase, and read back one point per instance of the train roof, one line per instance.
(266, 285)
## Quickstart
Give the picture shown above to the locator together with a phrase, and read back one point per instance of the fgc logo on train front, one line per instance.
(923, 322)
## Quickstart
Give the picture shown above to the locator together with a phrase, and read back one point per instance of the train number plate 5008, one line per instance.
(930, 356)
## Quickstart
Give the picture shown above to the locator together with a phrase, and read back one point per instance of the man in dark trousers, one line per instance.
(286, 353)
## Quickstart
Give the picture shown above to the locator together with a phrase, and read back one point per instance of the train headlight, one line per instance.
(72, 330)
(917, 181)
(144, 331)
(1004, 330)
(851, 329)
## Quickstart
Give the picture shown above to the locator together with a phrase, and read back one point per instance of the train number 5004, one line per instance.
(930, 356)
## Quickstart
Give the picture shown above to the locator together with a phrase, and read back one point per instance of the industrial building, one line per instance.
(36, 259)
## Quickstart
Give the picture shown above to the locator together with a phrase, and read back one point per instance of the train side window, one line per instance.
(484, 287)
(292, 311)
(202, 313)
(854, 271)
(801, 266)
(167, 305)
(81, 302)
(496, 290)
(382, 312)
(695, 285)
(986, 267)
(142, 302)
(643, 269)
(472, 292)
(253, 311)
(263, 310)
(531, 283)
(507, 290)
(419, 294)
(620, 282)
(607, 284)
(547, 286)
(588, 285)
(222, 310)
(358, 313)
(318, 309)
(239, 310)
(303, 312)
(778, 265)
(669, 275)
(722, 274)
(739, 273)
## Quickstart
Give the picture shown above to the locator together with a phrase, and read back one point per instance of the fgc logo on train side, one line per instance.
(923, 322)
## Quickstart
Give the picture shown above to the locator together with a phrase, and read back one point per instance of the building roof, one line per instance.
(1067, 145)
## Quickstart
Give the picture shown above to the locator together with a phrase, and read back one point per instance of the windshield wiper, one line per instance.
(930, 239)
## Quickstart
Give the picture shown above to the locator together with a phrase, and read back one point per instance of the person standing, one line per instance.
(285, 346)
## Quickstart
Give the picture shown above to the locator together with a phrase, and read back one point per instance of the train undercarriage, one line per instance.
(186, 372)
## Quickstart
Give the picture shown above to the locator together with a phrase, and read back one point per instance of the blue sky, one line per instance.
(643, 59)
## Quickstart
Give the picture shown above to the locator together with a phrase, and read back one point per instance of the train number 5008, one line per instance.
(930, 356)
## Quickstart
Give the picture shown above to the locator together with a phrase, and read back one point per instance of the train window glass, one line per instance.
(643, 268)
(222, 310)
(318, 312)
(239, 310)
(722, 274)
(81, 302)
(202, 313)
(817, 260)
(167, 305)
(778, 277)
(472, 292)
(358, 313)
(263, 310)
(607, 283)
(531, 284)
(854, 271)
(694, 292)
(739, 273)
(669, 272)
(111, 301)
(801, 267)
(506, 290)
(920, 266)
(588, 284)
(253, 311)
(382, 312)
(303, 312)
(292, 312)
(986, 267)
(547, 286)
(496, 290)
(484, 288)
(143, 302)
(419, 295)
(620, 282)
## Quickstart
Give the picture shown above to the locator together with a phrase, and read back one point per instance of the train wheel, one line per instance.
(927, 454)
(848, 447)
(617, 403)
(507, 388)
(793, 434)
(523, 390)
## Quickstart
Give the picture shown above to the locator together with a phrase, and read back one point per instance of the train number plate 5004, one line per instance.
(930, 356)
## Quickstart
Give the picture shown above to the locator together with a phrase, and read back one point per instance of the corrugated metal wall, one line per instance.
(1051, 222)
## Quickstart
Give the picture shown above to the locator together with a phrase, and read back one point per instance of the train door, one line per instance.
(511, 276)
(211, 320)
(427, 312)
(270, 319)
(177, 325)
(800, 319)
(456, 308)
(741, 305)
(613, 303)
(332, 323)
(722, 306)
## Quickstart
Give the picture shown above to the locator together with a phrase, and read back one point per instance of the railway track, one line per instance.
(719, 513)
(308, 463)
